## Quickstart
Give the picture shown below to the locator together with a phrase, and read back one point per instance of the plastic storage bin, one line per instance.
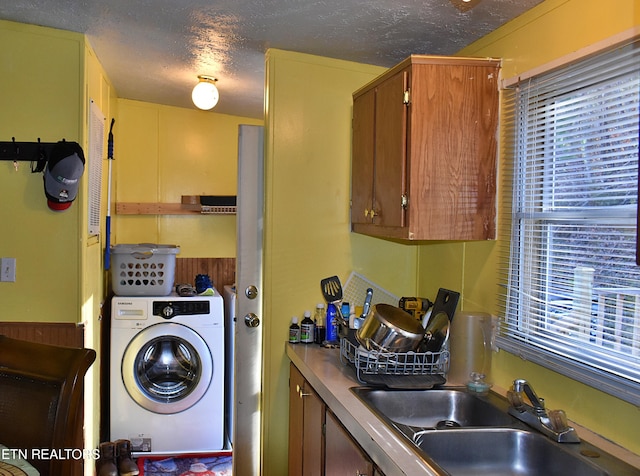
(145, 269)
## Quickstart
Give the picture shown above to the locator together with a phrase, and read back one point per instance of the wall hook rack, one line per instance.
(35, 152)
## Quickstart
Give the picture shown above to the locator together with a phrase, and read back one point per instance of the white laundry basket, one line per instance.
(145, 269)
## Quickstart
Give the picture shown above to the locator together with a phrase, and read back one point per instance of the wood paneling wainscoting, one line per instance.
(66, 334)
(222, 271)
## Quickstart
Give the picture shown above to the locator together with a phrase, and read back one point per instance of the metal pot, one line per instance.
(390, 329)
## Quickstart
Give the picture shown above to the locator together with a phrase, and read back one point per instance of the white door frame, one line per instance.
(247, 420)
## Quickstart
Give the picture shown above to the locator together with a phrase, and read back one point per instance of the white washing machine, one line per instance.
(167, 374)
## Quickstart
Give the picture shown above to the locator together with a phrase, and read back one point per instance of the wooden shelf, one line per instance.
(147, 208)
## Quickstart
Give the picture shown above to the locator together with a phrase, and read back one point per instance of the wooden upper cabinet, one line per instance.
(424, 151)
(362, 157)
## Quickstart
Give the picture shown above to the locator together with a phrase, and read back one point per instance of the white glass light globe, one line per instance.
(205, 95)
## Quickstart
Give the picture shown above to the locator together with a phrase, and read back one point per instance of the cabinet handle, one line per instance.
(300, 391)
(370, 213)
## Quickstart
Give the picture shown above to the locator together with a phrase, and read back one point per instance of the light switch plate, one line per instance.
(8, 270)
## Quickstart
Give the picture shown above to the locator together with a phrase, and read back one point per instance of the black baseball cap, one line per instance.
(62, 175)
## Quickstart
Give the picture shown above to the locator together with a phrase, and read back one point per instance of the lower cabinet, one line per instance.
(343, 456)
(318, 443)
(306, 424)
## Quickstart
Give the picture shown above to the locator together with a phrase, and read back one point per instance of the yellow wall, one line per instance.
(99, 90)
(307, 230)
(164, 152)
(161, 153)
(47, 79)
(40, 97)
(550, 31)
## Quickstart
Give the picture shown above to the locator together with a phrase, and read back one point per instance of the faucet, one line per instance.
(552, 423)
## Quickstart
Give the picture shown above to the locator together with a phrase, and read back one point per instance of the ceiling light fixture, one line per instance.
(205, 94)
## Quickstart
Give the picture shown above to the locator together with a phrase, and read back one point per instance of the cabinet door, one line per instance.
(362, 157)
(390, 172)
(453, 151)
(343, 456)
(306, 421)
(312, 438)
(296, 384)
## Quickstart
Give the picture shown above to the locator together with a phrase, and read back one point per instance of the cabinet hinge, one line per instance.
(404, 201)
(406, 98)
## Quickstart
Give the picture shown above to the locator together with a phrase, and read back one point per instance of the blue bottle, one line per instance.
(332, 325)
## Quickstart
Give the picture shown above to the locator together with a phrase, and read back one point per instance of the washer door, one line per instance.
(167, 368)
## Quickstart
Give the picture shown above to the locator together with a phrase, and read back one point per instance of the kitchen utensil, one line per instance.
(331, 289)
(367, 303)
(332, 292)
(390, 329)
(437, 329)
(446, 301)
(436, 333)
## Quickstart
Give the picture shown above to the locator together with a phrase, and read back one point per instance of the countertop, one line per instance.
(332, 381)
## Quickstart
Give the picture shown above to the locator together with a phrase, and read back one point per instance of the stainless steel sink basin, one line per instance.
(459, 433)
(435, 409)
(502, 451)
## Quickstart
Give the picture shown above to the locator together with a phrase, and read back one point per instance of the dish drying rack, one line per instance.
(395, 369)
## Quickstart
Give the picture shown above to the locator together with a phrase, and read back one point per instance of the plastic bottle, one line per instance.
(352, 316)
(332, 325)
(294, 331)
(307, 329)
(345, 310)
(319, 321)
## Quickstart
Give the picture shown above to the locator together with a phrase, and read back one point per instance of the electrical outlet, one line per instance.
(8, 270)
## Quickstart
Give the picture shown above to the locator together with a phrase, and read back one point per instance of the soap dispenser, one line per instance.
(477, 385)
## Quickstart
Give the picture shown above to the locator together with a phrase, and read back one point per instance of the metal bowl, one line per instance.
(390, 329)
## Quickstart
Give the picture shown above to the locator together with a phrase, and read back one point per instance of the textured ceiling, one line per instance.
(153, 50)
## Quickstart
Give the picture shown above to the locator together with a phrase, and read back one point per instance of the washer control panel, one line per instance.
(169, 309)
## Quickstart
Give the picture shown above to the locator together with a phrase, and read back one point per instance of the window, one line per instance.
(572, 291)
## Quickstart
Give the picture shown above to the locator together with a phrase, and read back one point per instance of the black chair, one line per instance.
(41, 403)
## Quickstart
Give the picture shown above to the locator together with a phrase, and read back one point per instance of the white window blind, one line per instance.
(572, 286)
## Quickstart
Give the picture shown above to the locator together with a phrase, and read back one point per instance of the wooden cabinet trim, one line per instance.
(428, 59)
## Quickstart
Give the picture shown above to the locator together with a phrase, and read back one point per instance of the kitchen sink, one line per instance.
(434, 409)
(502, 451)
(461, 433)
